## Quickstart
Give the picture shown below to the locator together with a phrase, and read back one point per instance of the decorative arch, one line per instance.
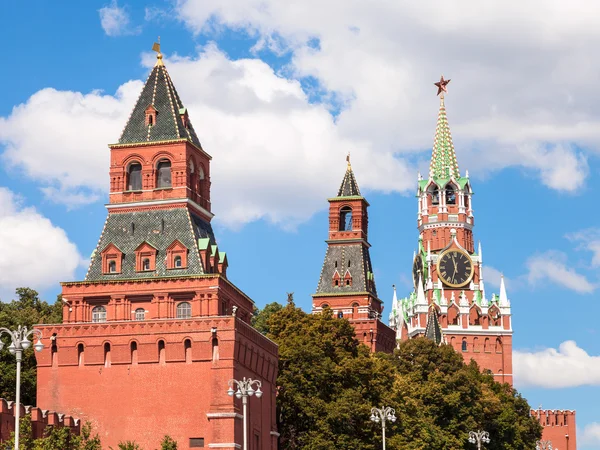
(134, 176)
(107, 349)
(476, 344)
(433, 193)
(495, 316)
(81, 353)
(348, 278)
(498, 346)
(474, 315)
(133, 349)
(453, 314)
(162, 359)
(336, 280)
(464, 345)
(187, 349)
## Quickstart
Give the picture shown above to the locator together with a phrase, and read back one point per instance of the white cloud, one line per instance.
(589, 240)
(69, 148)
(276, 155)
(551, 266)
(33, 252)
(569, 366)
(115, 20)
(492, 277)
(590, 435)
(515, 99)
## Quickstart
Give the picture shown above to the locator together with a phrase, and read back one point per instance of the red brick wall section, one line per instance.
(161, 384)
(40, 420)
(559, 427)
(375, 334)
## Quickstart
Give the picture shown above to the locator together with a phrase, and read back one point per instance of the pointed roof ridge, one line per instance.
(171, 121)
(433, 329)
(443, 157)
(503, 300)
(349, 186)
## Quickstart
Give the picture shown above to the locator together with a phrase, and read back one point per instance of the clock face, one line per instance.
(417, 269)
(455, 268)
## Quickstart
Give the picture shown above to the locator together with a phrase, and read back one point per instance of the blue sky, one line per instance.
(279, 93)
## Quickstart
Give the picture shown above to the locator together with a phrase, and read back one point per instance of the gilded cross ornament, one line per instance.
(442, 85)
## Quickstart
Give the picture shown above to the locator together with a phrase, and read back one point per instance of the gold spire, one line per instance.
(156, 48)
(348, 161)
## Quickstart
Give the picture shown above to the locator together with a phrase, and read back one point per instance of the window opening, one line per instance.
(140, 314)
(435, 196)
(112, 266)
(161, 352)
(464, 345)
(187, 345)
(134, 352)
(146, 264)
(184, 310)
(178, 261)
(450, 195)
(99, 314)
(346, 219)
(106, 354)
(80, 357)
(163, 176)
(134, 182)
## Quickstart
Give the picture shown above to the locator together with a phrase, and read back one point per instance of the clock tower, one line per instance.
(449, 303)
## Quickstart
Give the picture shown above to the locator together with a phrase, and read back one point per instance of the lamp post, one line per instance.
(477, 437)
(382, 415)
(543, 445)
(245, 390)
(19, 342)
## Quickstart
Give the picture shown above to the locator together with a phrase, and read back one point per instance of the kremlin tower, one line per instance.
(449, 302)
(153, 334)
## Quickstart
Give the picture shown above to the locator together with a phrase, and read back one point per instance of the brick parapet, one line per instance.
(40, 420)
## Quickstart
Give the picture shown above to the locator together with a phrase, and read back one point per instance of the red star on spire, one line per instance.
(441, 85)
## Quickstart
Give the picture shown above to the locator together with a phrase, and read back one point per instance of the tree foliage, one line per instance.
(28, 310)
(261, 317)
(168, 444)
(328, 383)
(55, 438)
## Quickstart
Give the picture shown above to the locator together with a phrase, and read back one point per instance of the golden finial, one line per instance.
(348, 161)
(156, 48)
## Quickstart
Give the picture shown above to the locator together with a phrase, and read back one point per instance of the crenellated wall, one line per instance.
(40, 420)
(559, 427)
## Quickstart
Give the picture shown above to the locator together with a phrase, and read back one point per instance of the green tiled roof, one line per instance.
(159, 92)
(443, 158)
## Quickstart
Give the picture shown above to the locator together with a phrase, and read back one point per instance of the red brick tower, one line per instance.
(347, 283)
(448, 272)
(559, 426)
(155, 331)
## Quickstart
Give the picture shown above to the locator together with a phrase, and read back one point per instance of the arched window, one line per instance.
(112, 266)
(498, 345)
(453, 314)
(476, 344)
(146, 264)
(354, 310)
(486, 345)
(324, 305)
(340, 314)
(140, 314)
(99, 314)
(464, 345)
(346, 219)
(435, 196)
(336, 282)
(134, 177)
(177, 262)
(106, 354)
(474, 316)
(184, 310)
(187, 346)
(80, 354)
(450, 195)
(163, 174)
(161, 352)
(215, 349)
(134, 352)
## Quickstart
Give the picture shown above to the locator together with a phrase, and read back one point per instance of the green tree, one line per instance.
(54, 438)
(261, 317)
(129, 445)
(439, 399)
(168, 444)
(28, 311)
(327, 382)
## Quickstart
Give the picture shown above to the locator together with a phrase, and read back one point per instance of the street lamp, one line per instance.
(477, 437)
(245, 390)
(543, 445)
(19, 342)
(382, 415)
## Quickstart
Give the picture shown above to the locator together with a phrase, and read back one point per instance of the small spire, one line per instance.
(349, 187)
(503, 301)
(420, 293)
(443, 158)
(156, 48)
(348, 161)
